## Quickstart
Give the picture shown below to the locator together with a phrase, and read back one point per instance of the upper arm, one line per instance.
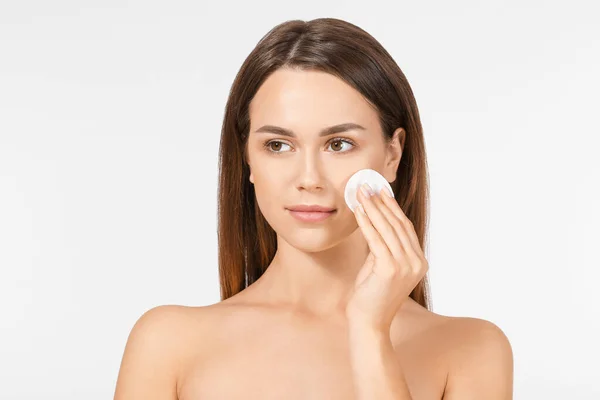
(482, 366)
(149, 365)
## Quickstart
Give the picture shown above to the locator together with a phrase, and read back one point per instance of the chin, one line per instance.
(313, 241)
(313, 238)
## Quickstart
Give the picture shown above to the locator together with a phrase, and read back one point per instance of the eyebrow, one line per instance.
(348, 126)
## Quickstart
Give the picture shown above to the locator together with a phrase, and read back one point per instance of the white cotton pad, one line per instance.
(369, 176)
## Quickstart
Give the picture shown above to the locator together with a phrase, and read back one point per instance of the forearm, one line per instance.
(376, 369)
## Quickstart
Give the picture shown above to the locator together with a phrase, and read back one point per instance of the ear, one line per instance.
(247, 161)
(394, 154)
(251, 174)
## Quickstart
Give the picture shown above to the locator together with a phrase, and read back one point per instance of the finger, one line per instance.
(394, 207)
(380, 223)
(386, 208)
(405, 253)
(373, 238)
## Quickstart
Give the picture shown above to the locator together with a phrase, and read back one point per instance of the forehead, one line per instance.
(309, 99)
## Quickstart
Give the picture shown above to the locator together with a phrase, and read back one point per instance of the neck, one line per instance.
(314, 283)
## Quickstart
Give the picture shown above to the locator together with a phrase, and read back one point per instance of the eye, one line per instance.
(339, 140)
(269, 145)
(270, 148)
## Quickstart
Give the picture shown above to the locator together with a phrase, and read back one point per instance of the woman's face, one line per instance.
(305, 167)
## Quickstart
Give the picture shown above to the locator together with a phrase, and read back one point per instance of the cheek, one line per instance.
(268, 181)
(267, 189)
(341, 172)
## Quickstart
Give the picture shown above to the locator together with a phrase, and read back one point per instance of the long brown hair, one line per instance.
(247, 243)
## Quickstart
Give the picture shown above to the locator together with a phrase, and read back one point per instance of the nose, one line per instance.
(310, 175)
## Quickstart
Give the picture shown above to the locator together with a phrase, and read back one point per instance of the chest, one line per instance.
(291, 367)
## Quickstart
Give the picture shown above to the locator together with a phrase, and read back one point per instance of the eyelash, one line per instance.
(267, 144)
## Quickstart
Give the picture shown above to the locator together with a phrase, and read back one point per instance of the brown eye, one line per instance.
(274, 146)
(337, 145)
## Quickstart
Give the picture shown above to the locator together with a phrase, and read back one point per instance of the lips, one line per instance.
(311, 216)
(310, 208)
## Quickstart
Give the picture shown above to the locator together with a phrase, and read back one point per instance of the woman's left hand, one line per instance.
(394, 266)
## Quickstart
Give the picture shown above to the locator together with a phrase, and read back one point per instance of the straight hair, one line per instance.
(246, 241)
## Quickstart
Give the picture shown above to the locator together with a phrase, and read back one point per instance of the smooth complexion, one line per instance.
(316, 264)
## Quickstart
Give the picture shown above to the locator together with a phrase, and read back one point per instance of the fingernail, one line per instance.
(366, 189)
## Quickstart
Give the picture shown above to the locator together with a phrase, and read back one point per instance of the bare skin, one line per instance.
(286, 335)
(248, 348)
(256, 350)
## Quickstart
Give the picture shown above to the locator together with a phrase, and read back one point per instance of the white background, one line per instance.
(110, 117)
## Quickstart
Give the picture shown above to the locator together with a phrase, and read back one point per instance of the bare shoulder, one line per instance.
(154, 353)
(475, 337)
(165, 327)
(481, 360)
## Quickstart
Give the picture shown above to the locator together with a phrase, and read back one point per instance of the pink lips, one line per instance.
(310, 212)
(311, 216)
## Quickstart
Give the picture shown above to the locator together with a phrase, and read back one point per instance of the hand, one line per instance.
(394, 266)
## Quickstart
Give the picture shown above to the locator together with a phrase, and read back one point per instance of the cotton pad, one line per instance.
(369, 176)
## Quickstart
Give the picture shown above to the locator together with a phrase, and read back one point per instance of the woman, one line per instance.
(333, 307)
